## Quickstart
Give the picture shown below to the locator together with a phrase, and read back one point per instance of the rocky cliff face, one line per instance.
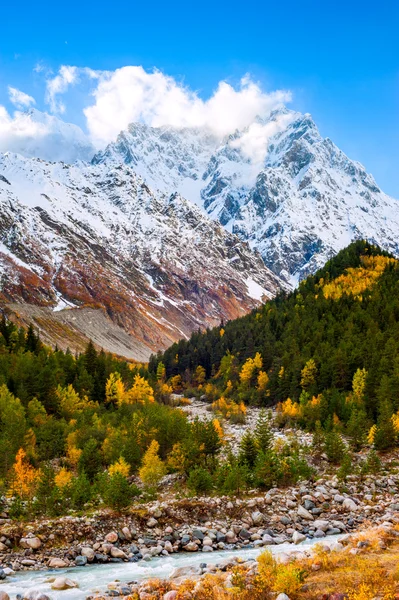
(297, 199)
(97, 235)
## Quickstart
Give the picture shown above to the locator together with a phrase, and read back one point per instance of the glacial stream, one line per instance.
(94, 578)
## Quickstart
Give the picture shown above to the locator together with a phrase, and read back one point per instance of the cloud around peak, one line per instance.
(131, 94)
(20, 99)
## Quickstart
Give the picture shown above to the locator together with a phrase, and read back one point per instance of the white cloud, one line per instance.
(254, 141)
(58, 85)
(20, 99)
(36, 134)
(131, 94)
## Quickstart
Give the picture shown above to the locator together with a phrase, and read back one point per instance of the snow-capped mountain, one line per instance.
(97, 235)
(40, 135)
(295, 197)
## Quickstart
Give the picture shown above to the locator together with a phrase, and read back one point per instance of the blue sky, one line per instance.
(339, 59)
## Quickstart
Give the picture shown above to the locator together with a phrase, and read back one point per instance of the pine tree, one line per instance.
(248, 451)
(334, 447)
(318, 441)
(385, 435)
(263, 434)
(357, 428)
(346, 467)
(372, 464)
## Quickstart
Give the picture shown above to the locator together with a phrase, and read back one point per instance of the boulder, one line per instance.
(63, 583)
(349, 505)
(117, 553)
(4, 596)
(304, 514)
(170, 595)
(32, 543)
(152, 523)
(244, 534)
(57, 563)
(81, 561)
(111, 537)
(322, 524)
(257, 517)
(191, 547)
(88, 553)
(297, 537)
(127, 534)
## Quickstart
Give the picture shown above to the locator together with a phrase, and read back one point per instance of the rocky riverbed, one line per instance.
(311, 510)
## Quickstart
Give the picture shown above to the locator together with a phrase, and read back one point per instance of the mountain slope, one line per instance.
(279, 185)
(344, 318)
(79, 235)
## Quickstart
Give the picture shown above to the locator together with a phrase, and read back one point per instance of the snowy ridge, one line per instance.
(97, 235)
(299, 205)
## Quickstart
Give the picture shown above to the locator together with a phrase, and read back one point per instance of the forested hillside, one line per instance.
(327, 350)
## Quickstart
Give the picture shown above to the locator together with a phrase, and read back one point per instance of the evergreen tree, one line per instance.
(318, 441)
(262, 432)
(357, 429)
(334, 447)
(248, 450)
(385, 436)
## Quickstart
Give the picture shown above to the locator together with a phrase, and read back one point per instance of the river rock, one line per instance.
(111, 537)
(191, 547)
(244, 534)
(3, 547)
(322, 524)
(282, 597)
(297, 537)
(257, 517)
(63, 583)
(304, 514)
(4, 596)
(127, 534)
(35, 595)
(88, 553)
(152, 523)
(117, 553)
(57, 563)
(33, 543)
(349, 505)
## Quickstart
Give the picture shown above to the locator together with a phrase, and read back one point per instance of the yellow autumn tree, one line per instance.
(219, 429)
(199, 375)
(263, 380)
(63, 478)
(359, 385)
(308, 374)
(115, 390)
(249, 368)
(73, 452)
(152, 468)
(140, 392)
(120, 467)
(176, 459)
(24, 477)
(176, 383)
(69, 402)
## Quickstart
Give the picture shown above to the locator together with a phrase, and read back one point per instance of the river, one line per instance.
(93, 578)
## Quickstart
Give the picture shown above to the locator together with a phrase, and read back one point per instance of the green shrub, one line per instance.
(200, 481)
